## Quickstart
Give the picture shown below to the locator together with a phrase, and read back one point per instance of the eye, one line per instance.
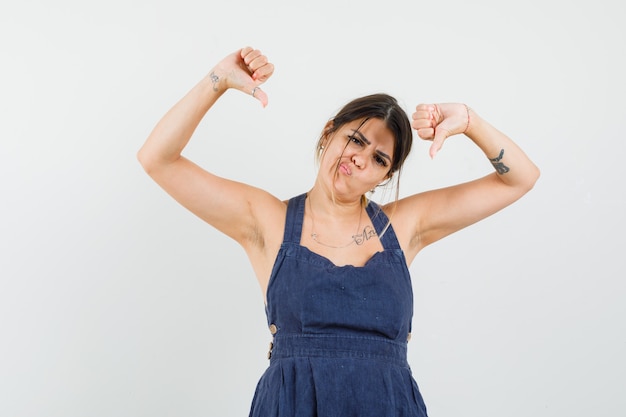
(380, 160)
(355, 139)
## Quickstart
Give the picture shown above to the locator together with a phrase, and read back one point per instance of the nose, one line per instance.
(358, 160)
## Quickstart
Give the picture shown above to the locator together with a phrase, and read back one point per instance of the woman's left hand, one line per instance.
(437, 122)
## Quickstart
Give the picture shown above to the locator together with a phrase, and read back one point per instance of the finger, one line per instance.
(427, 133)
(440, 136)
(250, 57)
(244, 51)
(421, 124)
(426, 110)
(260, 95)
(248, 54)
(421, 114)
(256, 63)
(263, 73)
(424, 107)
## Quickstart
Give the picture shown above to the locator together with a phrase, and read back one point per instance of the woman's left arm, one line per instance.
(432, 215)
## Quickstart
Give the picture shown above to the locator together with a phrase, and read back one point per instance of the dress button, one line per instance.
(273, 329)
(408, 337)
(269, 352)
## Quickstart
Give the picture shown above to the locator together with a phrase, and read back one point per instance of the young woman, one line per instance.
(332, 265)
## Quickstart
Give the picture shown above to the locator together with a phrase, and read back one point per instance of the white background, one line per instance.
(115, 301)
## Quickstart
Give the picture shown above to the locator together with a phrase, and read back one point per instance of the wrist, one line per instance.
(473, 122)
(214, 82)
(467, 123)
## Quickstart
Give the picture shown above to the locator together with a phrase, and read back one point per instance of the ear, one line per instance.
(326, 132)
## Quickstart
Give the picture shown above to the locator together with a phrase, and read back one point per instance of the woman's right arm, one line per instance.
(225, 204)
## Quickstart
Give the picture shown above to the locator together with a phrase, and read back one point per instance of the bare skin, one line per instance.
(333, 211)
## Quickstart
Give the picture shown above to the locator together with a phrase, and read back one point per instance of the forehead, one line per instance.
(375, 131)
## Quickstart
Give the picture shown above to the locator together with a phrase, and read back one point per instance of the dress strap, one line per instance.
(382, 225)
(295, 217)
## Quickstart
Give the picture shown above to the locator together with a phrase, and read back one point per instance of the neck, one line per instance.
(336, 224)
(326, 204)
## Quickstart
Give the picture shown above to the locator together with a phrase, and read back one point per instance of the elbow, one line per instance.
(536, 175)
(532, 177)
(147, 160)
(152, 161)
(524, 181)
(143, 159)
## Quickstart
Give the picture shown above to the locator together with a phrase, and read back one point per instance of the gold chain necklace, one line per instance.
(315, 237)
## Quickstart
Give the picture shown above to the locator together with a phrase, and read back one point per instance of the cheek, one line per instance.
(332, 155)
(385, 178)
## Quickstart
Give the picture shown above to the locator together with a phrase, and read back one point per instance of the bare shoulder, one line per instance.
(406, 209)
(404, 215)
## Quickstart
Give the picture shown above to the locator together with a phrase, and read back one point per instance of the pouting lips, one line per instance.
(345, 169)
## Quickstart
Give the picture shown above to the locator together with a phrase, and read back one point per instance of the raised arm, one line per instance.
(225, 204)
(432, 215)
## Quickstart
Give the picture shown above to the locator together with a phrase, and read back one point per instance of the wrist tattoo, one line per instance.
(499, 166)
(214, 79)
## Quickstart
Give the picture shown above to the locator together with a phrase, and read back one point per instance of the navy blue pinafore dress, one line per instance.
(339, 333)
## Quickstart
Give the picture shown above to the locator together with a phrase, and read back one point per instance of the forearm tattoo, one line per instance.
(214, 79)
(499, 166)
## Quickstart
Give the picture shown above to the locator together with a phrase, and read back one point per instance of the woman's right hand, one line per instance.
(244, 70)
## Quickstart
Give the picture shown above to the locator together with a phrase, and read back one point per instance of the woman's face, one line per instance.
(357, 158)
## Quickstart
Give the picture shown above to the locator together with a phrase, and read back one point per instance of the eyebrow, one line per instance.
(366, 140)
